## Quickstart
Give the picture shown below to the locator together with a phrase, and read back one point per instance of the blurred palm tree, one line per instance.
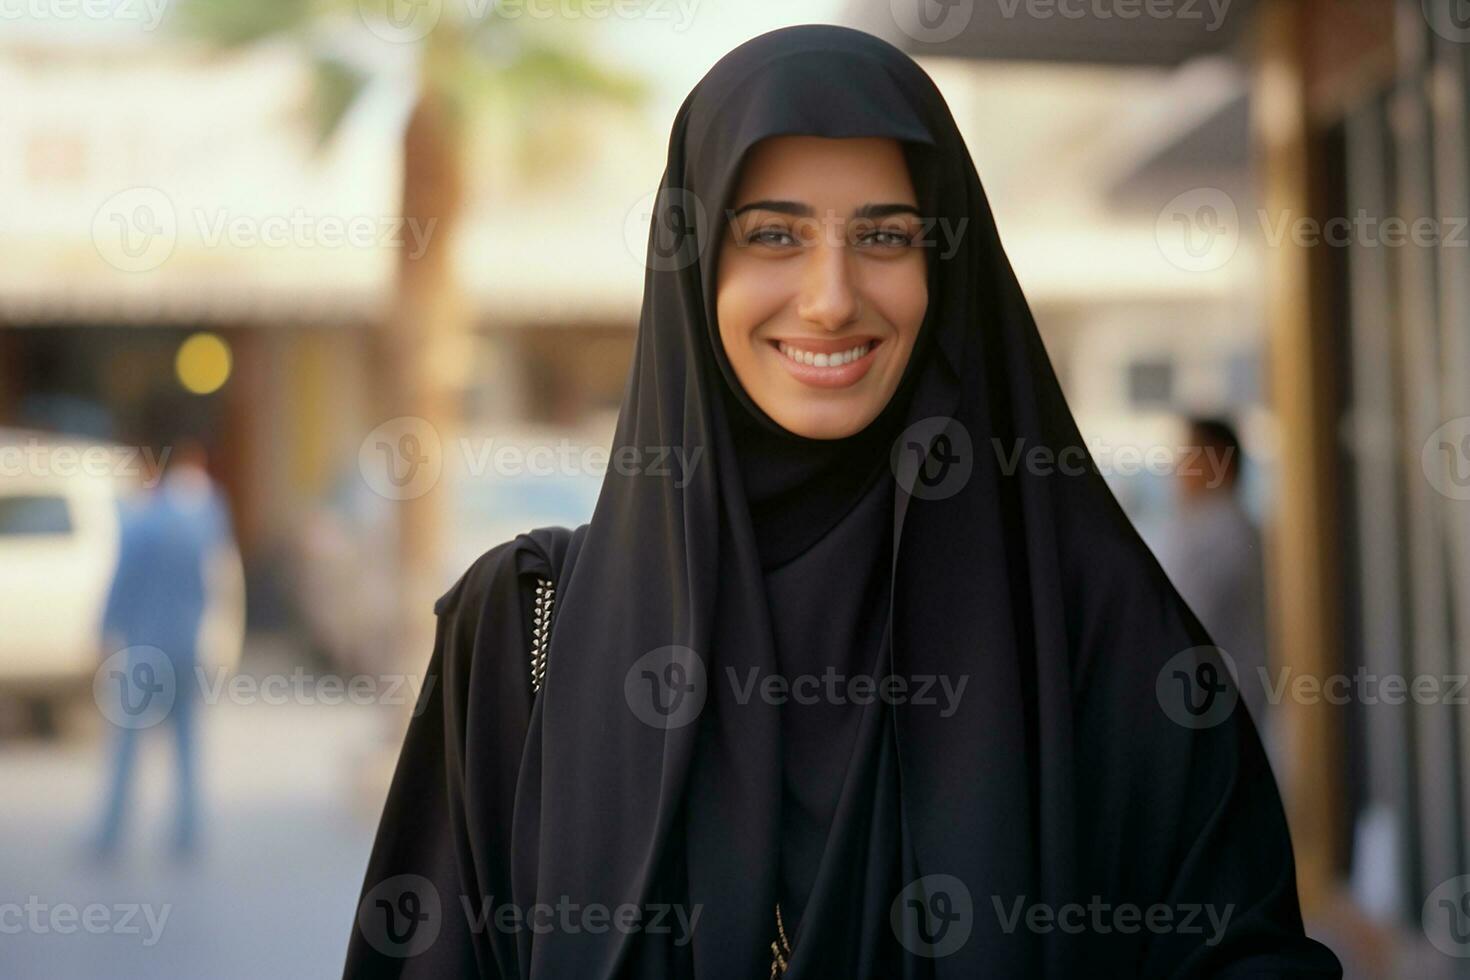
(473, 60)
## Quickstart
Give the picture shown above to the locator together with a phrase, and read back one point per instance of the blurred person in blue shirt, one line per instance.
(151, 626)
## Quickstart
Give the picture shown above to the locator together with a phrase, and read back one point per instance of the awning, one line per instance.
(1114, 32)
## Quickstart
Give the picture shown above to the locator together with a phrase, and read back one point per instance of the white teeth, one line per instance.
(824, 360)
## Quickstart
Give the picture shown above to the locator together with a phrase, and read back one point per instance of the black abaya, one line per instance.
(909, 838)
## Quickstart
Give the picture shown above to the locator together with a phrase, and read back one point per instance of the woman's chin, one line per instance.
(825, 421)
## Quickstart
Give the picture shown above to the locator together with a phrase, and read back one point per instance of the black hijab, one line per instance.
(1064, 776)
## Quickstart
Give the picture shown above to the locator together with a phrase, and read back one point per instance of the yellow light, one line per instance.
(203, 363)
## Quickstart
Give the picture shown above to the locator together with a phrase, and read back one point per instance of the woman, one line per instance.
(860, 688)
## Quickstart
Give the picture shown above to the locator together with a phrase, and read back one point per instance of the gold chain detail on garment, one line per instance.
(780, 947)
(541, 630)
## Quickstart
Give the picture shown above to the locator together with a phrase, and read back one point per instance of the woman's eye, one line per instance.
(771, 236)
(877, 237)
(885, 238)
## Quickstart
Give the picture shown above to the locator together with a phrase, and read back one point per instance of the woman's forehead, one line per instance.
(804, 161)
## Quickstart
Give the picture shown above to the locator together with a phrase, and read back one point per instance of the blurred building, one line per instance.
(146, 199)
(138, 213)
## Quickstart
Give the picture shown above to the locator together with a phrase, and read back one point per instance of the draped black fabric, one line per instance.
(1089, 764)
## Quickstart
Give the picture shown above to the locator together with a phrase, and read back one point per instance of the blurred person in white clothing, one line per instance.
(1211, 550)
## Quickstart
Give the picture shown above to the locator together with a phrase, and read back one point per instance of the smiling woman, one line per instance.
(821, 286)
(607, 740)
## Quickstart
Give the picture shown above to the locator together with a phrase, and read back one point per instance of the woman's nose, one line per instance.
(829, 296)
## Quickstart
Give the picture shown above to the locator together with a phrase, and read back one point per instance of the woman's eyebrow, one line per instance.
(884, 210)
(805, 210)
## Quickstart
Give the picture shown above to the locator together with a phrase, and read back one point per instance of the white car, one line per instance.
(58, 550)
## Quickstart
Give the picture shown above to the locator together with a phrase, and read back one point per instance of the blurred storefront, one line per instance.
(1362, 139)
(136, 216)
(1385, 134)
(197, 223)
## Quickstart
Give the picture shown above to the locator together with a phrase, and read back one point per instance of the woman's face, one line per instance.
(821, 287)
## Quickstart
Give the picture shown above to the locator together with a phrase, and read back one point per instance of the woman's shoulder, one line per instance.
(484, 619)
(513, 564)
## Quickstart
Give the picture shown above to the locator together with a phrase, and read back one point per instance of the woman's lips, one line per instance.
(846, 360)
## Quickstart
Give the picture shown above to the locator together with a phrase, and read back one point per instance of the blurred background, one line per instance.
(364, 278)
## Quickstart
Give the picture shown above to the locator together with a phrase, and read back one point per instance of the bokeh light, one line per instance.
(203, 363)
